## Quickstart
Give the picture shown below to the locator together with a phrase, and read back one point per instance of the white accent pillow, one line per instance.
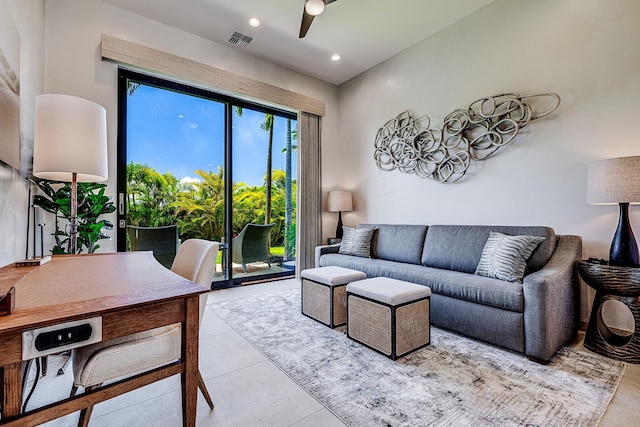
(356, 241)
(505, 257)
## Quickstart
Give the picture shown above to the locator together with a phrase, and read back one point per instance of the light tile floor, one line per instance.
(247, 389)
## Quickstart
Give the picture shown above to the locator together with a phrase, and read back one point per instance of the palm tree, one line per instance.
(269, 119)
(267, 125)
(288, 246)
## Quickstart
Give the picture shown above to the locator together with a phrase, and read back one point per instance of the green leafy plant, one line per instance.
(92, 203)
(150, 196)
(198, 207)
(290, 239)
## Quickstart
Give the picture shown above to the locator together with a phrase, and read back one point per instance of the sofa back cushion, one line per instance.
(459, 247)
(397, 242)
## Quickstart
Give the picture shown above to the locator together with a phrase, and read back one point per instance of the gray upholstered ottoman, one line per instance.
(324, 295)
(388, 315)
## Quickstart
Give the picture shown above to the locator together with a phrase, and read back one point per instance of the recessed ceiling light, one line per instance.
(254, 22)
(335, 57)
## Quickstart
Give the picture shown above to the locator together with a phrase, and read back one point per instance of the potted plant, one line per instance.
(92, 203)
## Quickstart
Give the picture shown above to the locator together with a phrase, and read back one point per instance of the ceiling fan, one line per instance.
(312, 8)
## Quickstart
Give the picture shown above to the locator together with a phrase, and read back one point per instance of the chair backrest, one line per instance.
(255, 237)
(163, 241)
(196, 261)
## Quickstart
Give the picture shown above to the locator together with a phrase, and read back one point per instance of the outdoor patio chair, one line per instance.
(252, 245)
(163, 241)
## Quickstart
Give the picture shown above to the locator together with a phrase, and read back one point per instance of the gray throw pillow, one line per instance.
(505, 257)
(356, 241)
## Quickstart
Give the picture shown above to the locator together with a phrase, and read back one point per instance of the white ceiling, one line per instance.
(363, 32)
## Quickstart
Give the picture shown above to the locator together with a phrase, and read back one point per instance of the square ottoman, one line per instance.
(324, 295)
(388, 315)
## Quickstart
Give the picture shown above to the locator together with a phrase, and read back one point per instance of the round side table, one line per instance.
(612, 283)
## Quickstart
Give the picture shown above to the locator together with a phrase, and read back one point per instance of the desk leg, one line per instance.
(190, 375)
(11, 390)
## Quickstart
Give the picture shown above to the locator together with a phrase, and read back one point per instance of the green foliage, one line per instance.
(249, 206)
(150, 196)
(92, 203)
(290, 240)
(198, 208)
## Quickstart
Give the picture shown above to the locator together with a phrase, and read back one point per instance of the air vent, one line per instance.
(239, 39)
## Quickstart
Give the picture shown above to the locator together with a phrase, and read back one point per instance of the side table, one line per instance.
(333, 240)
(612, 283)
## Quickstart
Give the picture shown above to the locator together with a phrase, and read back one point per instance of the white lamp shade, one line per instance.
(70, 136)
(339, 201)
(614, 181)
(314, 7)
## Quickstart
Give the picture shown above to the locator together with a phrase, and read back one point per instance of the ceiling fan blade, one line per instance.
(307, 19)
(306, 23)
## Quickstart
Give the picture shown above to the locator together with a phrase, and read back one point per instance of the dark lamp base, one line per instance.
(339, 231)
(624, 248)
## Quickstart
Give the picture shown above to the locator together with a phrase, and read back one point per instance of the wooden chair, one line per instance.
(98, 363)
(252, 245)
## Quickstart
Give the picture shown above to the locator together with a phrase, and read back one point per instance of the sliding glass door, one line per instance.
(196, 164)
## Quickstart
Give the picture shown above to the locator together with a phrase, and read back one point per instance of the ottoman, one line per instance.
(324, 295)
(388, 315)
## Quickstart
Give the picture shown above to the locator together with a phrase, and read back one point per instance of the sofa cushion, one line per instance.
(356, 241)
(477, 289)
(505, 257)
(370, 266)
(397, 242)
(459, 247)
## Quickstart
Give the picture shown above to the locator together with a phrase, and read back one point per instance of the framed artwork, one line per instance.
(9, 89)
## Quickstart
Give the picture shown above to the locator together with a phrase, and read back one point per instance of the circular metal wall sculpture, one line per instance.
(409, 144)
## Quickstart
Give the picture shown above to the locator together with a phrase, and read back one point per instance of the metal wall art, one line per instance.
(408, 143)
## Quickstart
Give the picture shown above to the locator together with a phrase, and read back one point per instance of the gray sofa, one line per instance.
(535, 317)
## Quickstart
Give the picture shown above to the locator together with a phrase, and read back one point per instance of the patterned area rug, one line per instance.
(455, 381)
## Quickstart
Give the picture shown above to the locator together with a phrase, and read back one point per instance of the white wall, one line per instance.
(28, 17)
(586, 51)
(74, 66)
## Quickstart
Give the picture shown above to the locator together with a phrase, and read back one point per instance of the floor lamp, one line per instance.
(339, 201)
(70, 145)
(617, 181)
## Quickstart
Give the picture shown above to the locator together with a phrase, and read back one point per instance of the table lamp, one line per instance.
(70, 145)
(339, 201)
(617, 181)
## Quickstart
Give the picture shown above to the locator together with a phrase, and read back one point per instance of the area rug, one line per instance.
(455, 381)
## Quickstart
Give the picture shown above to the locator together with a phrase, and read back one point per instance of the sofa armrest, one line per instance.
(327, 249)
(551, 301)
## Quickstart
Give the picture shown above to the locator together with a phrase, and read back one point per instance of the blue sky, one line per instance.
(177, 133)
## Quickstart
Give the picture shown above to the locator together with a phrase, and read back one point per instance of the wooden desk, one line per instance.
(130, 290)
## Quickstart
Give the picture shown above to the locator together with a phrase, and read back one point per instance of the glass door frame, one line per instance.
(124, 75)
